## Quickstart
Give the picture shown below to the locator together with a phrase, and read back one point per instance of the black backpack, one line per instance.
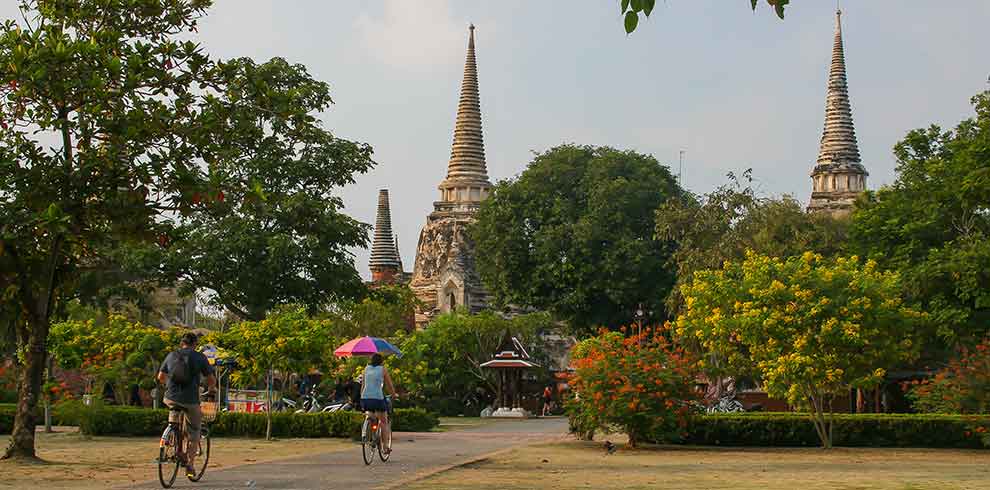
(182, 370)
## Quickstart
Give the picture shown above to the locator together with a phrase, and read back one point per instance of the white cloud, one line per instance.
(413, 36)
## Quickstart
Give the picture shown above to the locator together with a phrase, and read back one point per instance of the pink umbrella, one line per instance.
(366, 346)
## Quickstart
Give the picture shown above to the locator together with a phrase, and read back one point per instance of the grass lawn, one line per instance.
(77, 462)
(585, 465)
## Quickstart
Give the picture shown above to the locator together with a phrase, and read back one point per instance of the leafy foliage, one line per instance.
(932, 224)
(807, 326)
(441, 362)
(725, 223)
(382, 312)
(640, 385)
(266, 206)
(630, 10)
(961, 387)
(118, 351)
(573, 235)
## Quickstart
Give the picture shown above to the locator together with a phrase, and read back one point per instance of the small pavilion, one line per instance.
(509, 362)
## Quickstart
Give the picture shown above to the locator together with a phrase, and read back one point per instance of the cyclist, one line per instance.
(192, 366)
(372, 397)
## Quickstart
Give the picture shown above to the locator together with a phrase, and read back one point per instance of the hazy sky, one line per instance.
(733, 88)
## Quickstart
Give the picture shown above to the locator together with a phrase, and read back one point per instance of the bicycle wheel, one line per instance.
(203, 457)
(385, 442)
(367, 442)
(168, 459)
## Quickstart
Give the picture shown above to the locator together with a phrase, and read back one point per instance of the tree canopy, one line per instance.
(725, 223)
(807, 327)
(263, 226)
(573, 235)
(933, 223)
(118, 133)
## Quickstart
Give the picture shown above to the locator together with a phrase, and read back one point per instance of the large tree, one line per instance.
(277, 236)
(573, 234)
(97, 105)
(933, 225)
(116, 134)
(725, 223)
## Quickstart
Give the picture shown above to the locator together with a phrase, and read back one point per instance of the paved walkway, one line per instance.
(414, 454)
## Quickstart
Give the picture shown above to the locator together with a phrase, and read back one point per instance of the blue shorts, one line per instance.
(374, 405)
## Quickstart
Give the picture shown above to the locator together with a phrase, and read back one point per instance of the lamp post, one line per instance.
(640, 315)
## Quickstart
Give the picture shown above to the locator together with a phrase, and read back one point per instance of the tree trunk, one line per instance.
(29, 381)
(271, 407)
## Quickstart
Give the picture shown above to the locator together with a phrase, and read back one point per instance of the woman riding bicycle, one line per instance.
(372, 397)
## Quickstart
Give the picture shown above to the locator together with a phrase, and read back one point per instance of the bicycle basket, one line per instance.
(209, 410)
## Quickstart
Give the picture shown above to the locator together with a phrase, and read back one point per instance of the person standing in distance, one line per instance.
(181, 372)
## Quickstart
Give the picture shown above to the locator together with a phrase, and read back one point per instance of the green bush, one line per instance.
(8, 396)
(877, 430)
(129, 421)
(7, 418)
(59, 416)
(414, 420)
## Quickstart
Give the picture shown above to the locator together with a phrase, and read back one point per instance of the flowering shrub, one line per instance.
(639, 385)
(961, 387)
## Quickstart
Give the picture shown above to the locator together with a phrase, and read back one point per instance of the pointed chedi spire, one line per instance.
(467, 173)
(838, 143)
(385, 263)
(398, 254)
(838, 176)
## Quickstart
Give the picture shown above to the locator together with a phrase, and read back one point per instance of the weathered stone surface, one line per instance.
(444, 276)
(838, 176)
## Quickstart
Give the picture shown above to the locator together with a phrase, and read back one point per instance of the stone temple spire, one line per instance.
(385, 263)
(838, 176)
(398, 254)
(467, 174)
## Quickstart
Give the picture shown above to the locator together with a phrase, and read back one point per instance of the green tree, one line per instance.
(97, 107)
(573, 234)
(808, 327)
(725, 223)
(631, 9)
(287, 341)
(440, 366)
(265, 227)
(381, 313)
(932, 225)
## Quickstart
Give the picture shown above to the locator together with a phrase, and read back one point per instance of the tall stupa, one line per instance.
(444, 276)
(839, 176)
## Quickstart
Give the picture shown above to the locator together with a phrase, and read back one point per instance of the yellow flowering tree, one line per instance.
(808, 327)
(287, 341)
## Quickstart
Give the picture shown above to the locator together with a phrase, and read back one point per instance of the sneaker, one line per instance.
(190, 471)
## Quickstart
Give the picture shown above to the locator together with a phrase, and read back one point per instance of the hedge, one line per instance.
(62, 414)
(876, 430)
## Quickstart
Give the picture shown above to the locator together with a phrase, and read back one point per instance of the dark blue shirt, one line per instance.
(199, 366)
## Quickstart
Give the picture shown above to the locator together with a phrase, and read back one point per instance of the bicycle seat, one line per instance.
(176, 408)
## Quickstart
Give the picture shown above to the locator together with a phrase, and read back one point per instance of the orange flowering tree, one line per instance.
(961, 387)
(639, 385)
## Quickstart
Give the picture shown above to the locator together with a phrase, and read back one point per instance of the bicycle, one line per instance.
(171, 447)
(371, 436)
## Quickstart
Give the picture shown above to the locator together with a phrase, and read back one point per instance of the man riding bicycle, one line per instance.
(181, 372)
(372, 396)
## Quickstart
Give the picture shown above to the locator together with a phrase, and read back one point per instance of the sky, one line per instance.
(732, 88)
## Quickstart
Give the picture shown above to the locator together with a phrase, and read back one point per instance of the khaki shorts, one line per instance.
(194, 417)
